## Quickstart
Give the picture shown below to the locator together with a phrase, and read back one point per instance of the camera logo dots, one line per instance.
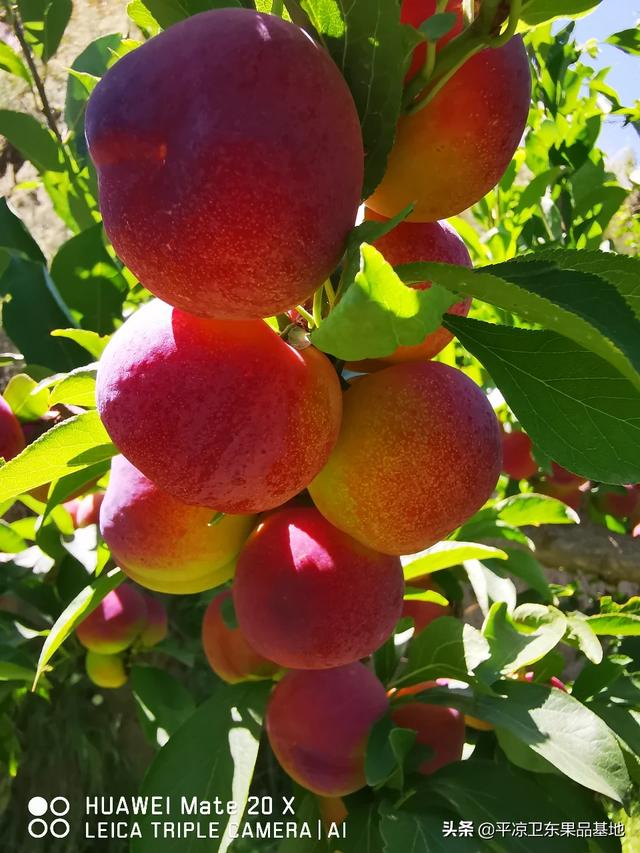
(48, 818)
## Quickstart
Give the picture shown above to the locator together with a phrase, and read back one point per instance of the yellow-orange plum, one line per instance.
(105, 670)
(228, 651)
(163, 544)
(419, 452)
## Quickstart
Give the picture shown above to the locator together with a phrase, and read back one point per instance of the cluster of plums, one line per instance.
(230, 163)
(620, 502)
(125, 618)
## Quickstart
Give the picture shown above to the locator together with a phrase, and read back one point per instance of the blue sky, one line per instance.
(611, 17)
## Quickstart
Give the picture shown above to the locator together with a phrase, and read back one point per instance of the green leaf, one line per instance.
(14, 672)
(420, 830)
(81, 606)
(445, 555)
(79, 442)
(91, 341)
(94, 61)
(77, 388)
(445, 649)
(373, 50)
(523, 565)
(44, 22)
(378, 313)
(522, 755)
(437, 26)
(163, 702)
(574, 406)
(582, 635)
(363, 833)
(73, 484)
(545, 289)
(34, 309)
(594, 678)
(494, 792)
(142, 17)
(561, 730)
(14, 234)
(89, 281)
(520, 510)
(626, 40)
(10, 541)
(615, 624)
(512, 648)
(168, 12)
(32, 139)
(26, 398)
(11, 62)
(536, 12)
(387, 748)
(212, 755)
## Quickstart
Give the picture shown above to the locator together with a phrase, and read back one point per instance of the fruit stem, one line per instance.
(331, 294)
(307, 316)
(317, 306)
(430, 61)
(478, 35)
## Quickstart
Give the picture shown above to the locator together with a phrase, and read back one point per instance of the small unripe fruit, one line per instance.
(517, 461)
(218, 413)
(409, 243)
(163, 544)
(228, 651)
(419, 453)
(230, 163)
(438, 727)
(156, 628)
(116, 622)
(318, 724)
(308, 596)
(105, 670)
(455, 149)
(12, 439)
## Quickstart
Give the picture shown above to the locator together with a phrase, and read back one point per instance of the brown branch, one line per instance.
(587, 548)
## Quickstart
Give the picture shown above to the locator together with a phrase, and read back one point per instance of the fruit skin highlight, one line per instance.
(318, 724)
(310, 597)
(12, 439)
(228, 651)
(218, 413)
(163, 544)
(106, 670)
(116, 622)
(419, 453)
(455, 149)
(230, 163)
(408, 243)
(441, 728)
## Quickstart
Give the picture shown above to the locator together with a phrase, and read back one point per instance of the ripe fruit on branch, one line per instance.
(228, 651)
(105, 670)
(85, 511)
(308, 596)
(230, 161)
(620, 501)
(564, 486)
(318, 724)
(157, 624)
(12, 439)
(219, 413)
(116, 622)
(455, 149)
(440, 728)
(409, 243)
(517, 461)
(163, 544)
(419, 453)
